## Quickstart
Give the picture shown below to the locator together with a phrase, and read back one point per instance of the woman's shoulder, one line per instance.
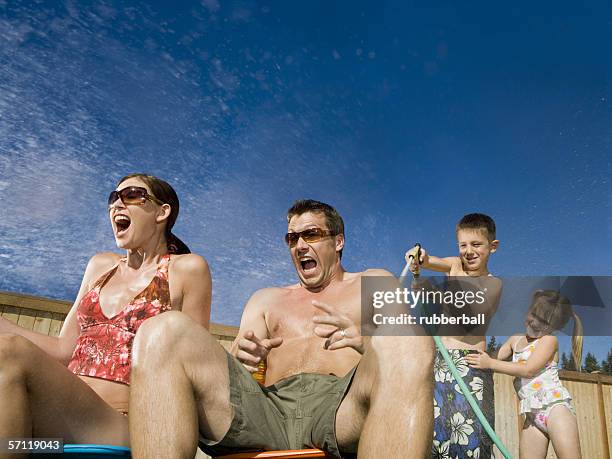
(105, 258)
(189, 264)
(99, 264)
(103, 261)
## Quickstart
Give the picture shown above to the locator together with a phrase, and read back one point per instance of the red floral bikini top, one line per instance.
(104, 346)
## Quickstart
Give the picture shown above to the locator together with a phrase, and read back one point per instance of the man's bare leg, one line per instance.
(180, 381)
(40, 397)
(389, 407)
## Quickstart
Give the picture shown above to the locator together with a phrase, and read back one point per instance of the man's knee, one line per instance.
(15, 353)
(406, 355)
(165, 336)
(157, 337)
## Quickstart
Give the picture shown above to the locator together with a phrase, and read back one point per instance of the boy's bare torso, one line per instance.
(471, 342)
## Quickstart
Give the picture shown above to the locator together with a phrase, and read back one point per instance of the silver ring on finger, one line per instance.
(343, 333)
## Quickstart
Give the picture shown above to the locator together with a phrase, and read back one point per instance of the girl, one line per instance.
(545, 403)
(76, 386)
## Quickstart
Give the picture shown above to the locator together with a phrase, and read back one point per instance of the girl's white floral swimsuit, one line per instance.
(540, 394)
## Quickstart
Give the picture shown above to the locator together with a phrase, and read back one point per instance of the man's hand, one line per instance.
(252, 350)
(339, 329)
(411, 255)
(481, 360)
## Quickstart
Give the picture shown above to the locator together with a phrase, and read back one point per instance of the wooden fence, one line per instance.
(592, 393)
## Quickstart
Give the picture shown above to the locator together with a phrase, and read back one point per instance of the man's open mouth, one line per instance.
(122, 223)
(308, 263)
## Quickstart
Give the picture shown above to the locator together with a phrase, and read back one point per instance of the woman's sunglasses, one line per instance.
(310, 235)
(132, 195)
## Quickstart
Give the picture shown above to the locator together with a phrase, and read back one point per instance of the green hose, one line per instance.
(464, 388)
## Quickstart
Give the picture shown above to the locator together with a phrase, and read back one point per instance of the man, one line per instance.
(327, 386)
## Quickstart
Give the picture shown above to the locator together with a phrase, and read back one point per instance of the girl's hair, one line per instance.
(166, 194)
(556, 310)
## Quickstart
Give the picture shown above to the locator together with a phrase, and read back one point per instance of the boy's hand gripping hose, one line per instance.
(417, 269)
(449, 362)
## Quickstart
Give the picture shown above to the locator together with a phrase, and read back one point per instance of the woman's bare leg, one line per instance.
(39, 397)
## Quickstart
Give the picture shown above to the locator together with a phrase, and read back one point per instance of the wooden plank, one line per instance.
(34, 302)
(56, 324)
(607, 401)
(26, 319)
(11, 313)
(42, 322)
(585, 402)
(605, 445)
(584, 377)
(506, 413)
(224, 330)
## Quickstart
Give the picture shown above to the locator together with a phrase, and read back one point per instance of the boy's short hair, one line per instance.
(333, 219)
(478, 221)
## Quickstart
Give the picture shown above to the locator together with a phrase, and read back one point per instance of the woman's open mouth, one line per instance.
(122, 223)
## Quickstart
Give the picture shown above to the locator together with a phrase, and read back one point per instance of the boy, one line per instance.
(457, 431)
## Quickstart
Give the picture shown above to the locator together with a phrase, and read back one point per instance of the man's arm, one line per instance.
(252, 344)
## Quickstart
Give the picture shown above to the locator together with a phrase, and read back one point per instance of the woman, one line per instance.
(87, 401)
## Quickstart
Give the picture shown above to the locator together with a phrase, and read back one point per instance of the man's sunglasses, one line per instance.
(310, 235)
(132, 195)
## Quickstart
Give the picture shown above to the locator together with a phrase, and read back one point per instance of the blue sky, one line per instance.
(403, 116)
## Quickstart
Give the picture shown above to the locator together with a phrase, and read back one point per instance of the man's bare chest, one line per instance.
(292, 316)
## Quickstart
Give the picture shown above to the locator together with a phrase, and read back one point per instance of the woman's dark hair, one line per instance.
(166, 194)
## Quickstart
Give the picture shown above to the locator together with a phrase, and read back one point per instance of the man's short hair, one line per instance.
(332, 218)
(479, 222)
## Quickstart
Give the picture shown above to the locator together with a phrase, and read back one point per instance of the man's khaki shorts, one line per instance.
(297, 412)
